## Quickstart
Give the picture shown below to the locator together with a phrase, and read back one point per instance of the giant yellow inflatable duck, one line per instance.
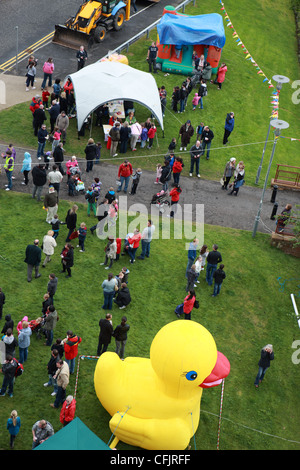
(155, 403)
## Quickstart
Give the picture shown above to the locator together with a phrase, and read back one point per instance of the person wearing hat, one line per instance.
(51, 203)
(228, 172)
(186, 131)
(228, 128)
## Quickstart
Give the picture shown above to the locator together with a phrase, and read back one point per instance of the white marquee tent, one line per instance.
(106, 81)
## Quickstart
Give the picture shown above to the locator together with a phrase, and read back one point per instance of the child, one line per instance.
(47, 158)
(98, 152)
(96, 186)
(172, 145)
(158, 173)
(13, 426)
(199, 130)
(195, 101)
(175, 195)
(151, 134)
(136, 179)
(202, 92)
(144, 135)
(219, 276)
(198, 267)
(45, 97)
(82, 236)
(90, 196)
(125, 273)
(56, 138)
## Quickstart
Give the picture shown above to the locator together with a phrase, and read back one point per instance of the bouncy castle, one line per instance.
(181, 37)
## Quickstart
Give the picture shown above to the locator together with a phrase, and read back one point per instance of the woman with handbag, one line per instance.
(228, 172)
(71, 221)
(67, 259)
(187, 306)
(110, 253)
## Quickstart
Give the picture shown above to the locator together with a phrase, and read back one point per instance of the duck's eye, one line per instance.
(192, 375)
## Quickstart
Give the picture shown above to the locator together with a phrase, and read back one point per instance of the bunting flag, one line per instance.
(239, 42)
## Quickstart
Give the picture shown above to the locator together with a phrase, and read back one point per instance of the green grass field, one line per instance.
(250, 312)
(252, 309)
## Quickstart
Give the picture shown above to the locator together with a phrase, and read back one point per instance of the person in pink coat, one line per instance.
(221, 75)
(20, 324)
(48, 69)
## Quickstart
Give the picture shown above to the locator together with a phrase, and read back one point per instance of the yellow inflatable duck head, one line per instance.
(155, 403)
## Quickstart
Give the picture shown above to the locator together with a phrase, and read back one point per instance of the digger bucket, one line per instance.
(71, 38)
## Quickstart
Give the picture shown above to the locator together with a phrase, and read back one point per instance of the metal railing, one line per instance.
(286, 228)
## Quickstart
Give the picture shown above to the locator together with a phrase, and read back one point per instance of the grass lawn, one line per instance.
(250, 312)
(258, 24)
(252, 309)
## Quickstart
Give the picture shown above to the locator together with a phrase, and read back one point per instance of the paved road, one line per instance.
(32, 28)
(219, 208)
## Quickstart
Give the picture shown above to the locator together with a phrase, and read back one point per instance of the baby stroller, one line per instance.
(36, 327)
(161, 201)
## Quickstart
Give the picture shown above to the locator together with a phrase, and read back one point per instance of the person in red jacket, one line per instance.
(119, 246)
(134, 243)
(188, 304)
(67, 412)
(151, 134)
(71, 349)
(124, 173)
(175, 195)
(177, 169)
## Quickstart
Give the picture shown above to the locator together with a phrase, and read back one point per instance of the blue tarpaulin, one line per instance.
(192, 30)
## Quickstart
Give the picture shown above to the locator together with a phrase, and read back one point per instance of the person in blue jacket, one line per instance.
(228, 128)
(13, 425)
(26, 167)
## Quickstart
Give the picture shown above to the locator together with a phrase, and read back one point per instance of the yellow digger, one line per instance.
(91, 22)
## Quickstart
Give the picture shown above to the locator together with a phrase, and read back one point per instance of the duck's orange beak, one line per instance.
(219, 372)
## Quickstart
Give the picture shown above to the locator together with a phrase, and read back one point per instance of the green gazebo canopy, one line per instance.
(75, 436)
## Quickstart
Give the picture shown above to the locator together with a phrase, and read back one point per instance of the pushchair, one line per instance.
(161, 201)
(36, 327)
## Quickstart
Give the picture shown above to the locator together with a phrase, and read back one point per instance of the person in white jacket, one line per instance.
(49, 244)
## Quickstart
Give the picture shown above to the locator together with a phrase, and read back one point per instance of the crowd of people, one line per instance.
(116, 286)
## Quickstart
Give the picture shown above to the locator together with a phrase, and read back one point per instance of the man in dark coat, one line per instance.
(206, 138)
(54, 112)
(39, 178)
(39, 117)
(123, 297)
(186, 131)
(106, 331)
(81, 56)
(58, 157)
(33, 257)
